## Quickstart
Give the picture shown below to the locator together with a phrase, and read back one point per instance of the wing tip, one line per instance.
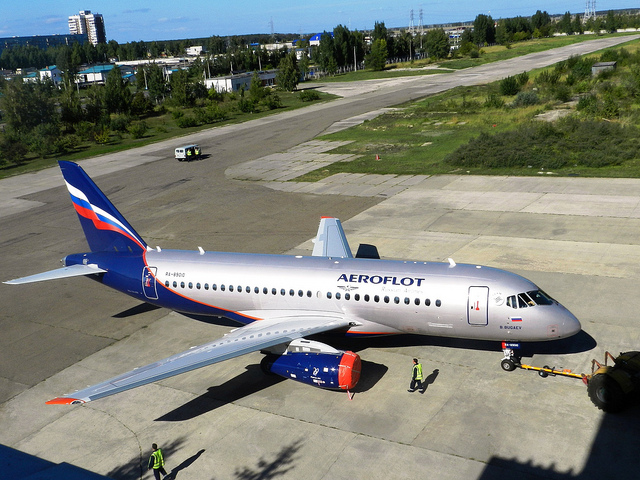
(65, 401)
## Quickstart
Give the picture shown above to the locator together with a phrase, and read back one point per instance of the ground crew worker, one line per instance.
(189, 153)
(156, 462)
(416, 377)
(197, 152)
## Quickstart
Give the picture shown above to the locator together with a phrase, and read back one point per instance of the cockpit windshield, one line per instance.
(540, 297)
(529, 299)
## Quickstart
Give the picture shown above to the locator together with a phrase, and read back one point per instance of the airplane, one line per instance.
(280, 300)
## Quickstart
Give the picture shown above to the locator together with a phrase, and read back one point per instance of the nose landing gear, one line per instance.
(510, 361)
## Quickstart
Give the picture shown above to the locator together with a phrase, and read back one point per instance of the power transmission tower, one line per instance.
(590, 10)
(271, 27)
(421, 28)
(411, 22)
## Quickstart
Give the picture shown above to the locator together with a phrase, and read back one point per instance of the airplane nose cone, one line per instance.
(570, 324)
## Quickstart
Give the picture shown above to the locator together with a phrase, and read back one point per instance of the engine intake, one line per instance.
(325, 370)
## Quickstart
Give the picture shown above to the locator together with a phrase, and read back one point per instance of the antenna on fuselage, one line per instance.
(451, 262)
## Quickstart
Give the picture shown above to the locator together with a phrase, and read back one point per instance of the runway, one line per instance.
(578, 239)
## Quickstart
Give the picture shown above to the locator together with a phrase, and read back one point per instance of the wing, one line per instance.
(64, 272)
(330, 240)
(278, 328)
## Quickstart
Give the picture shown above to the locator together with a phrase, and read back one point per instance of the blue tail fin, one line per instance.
(105, 228)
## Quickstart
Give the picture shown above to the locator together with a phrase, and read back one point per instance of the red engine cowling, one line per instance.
(325, 370)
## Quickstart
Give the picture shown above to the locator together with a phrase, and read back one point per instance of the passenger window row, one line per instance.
(301, 293)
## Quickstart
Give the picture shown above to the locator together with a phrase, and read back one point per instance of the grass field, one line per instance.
(440, 134)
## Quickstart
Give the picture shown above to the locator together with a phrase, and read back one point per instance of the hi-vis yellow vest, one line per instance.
(158, 460)
(418, 371)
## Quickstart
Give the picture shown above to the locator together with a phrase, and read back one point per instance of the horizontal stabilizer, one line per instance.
(64, 272)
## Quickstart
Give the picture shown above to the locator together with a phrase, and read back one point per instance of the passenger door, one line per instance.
(477, 311)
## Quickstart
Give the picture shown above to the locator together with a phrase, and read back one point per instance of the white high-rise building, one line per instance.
(90, 23)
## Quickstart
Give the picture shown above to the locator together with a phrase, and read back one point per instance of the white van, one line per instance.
(188, 152)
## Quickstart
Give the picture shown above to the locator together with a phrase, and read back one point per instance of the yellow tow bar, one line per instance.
(551, 371)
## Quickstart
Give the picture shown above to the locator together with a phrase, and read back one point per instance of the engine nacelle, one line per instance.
(340, 371)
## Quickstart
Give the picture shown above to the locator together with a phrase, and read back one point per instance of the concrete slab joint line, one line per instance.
(275, 169)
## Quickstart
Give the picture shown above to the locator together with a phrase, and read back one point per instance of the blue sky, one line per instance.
(131, 20)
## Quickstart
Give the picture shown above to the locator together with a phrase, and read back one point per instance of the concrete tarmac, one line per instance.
(576, 238)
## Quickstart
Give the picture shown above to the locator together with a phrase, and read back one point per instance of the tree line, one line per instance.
(487, 31)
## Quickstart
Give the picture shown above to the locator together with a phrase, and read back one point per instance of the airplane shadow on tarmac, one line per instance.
(581, 342)
(249, 382)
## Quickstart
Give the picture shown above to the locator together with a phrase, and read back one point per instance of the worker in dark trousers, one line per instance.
(156, 462)
(416, 377)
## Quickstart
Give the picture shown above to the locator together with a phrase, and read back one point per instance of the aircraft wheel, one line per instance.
(508, 365)
(543, 374)
(606, 394)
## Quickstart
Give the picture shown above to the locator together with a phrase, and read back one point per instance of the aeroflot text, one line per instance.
(376, 279)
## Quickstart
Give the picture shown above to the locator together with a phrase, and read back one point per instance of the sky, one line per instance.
(136, 20)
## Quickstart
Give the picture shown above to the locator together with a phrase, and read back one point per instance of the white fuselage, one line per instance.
(380, 296)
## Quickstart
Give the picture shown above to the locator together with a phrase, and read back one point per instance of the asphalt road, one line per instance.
(52, 328)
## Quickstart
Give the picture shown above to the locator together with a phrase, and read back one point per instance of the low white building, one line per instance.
(234, 83)
(52, 72)
(194, 51)
(94, 75)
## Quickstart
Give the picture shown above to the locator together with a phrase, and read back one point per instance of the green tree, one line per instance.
(611, 23)
(155, 82)
(288, 74)
(377, 58)
(180, 91)
(256, 91)
(565, 24)
(27, 105)
(117, 97)
(437, 43)
(484, 30)
(326, 53)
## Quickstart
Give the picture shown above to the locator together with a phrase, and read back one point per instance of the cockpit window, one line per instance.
(540, 297)
(524, 301)
(529, 299)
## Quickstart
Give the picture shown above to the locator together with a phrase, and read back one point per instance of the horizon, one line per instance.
(127, 21)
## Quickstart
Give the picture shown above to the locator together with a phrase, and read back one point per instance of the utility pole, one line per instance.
(355, 60)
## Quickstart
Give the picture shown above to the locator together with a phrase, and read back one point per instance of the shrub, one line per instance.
(522, 78)
(525, 99)
(12, 148)
(138, 129)
(588, 104)
(141, 105)
(509, 86)
(85, 130)
(309, 95)
(66, 143)
(569, 142)
(493, 101)
(120, 123)
(246, 105)
(186, 121)
(548, 77)
(176, 114)
(102, 136)
(272, 101)
(562, 93)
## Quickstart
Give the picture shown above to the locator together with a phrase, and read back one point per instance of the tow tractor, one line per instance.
(610, 387)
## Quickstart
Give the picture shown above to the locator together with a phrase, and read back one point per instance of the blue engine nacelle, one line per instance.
(325, 370)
